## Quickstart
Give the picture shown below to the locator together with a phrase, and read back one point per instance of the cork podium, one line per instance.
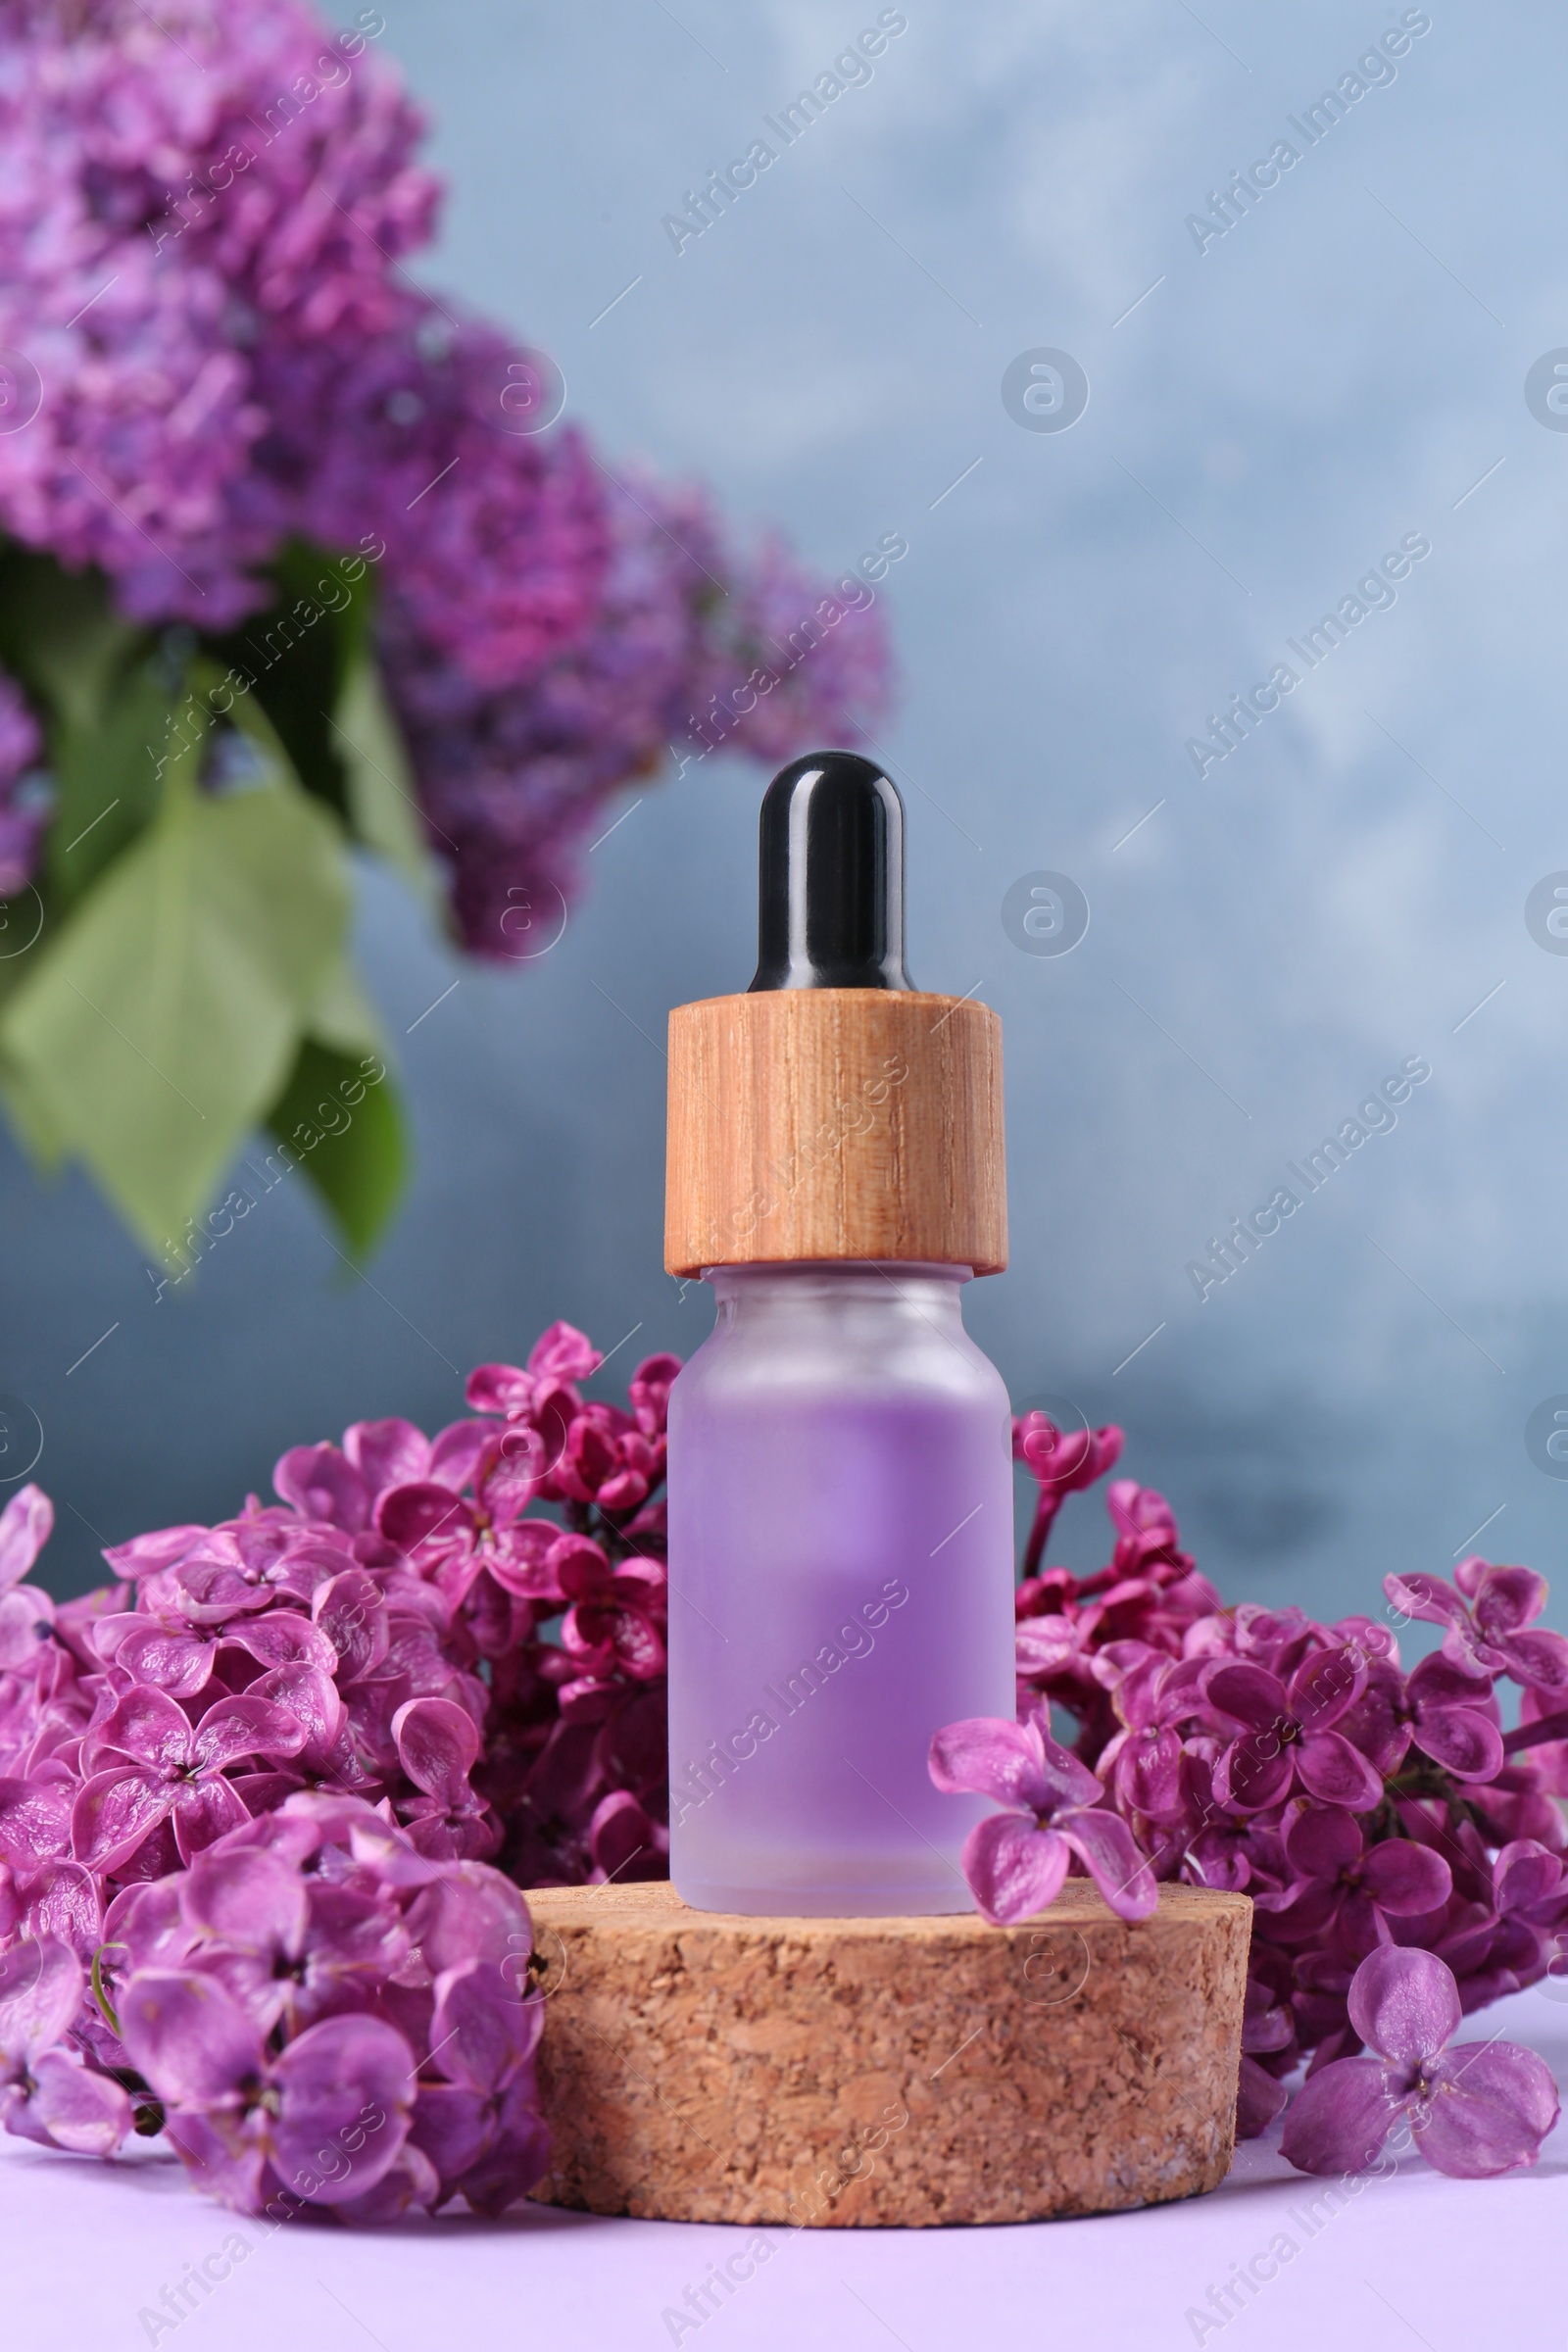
(854, 2072)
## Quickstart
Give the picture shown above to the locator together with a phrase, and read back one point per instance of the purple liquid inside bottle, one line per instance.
(841, 1584)
(839, 1451)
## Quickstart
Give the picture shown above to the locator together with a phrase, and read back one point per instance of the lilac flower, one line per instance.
(1155, 1695)
(289, 1947)
(253, 2122)
(168, 237)
(504, 569)
(178, 1653)
(480, 2128)
(1343, 1888)
(559, 1356)
(1475, 2111)
(438, 1746)
(1017, 1861)
(202, 250)
(1063, 1463)
(456, 1538)
(156, 1766)
(688, 651)
(1287, 1733)
(44, 2094)
(1446, 1711)
(1492, 1633)
(1268, 2031)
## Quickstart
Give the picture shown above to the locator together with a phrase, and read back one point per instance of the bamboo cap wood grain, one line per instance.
(834, 1123)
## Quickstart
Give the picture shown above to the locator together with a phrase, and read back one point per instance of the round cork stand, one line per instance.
(833, 1123)
(838, 2073)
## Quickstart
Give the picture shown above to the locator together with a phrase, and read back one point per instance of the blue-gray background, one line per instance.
(1337, 372)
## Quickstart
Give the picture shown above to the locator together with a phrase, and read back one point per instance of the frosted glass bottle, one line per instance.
(840, 1472)
(841, 1584)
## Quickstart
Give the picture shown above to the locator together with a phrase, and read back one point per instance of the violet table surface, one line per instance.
(1412, 2260)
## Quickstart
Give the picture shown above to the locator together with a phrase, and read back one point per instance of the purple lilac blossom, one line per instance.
(1015, 1862)
(209, 345)
(257, 1786)
(1367, 1809)
(515, 773)
(178, 213)
(274, 1789)
(1475, 2110)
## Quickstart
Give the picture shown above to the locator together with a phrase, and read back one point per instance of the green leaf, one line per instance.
(58, 632)
(297, 657)
(343, 1014)
(108, 702)
(346, 1131)
(108, 769)
(28, 1115)
(160, 1023)
(382, 803)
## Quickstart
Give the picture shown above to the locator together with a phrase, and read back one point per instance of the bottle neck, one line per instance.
(756, 1295)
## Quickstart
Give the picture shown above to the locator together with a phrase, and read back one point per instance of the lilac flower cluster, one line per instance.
(209, 346)
(252, 1796)
(181, 223)
(1367, 1810)
(514, 773)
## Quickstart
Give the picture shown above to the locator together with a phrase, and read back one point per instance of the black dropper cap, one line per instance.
(830, 911)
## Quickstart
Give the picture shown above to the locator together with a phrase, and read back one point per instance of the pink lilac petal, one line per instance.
(334, 2079)
(1524, 1875)
(438, 1745)
(410, 2185)
(149, 1554)
(246, 1893)
(1506, 1599)
(74, 2107)
(194, 2045)
(482, 2033)
(1490, 2106)
(1250, 1695)
(1339, 2118)
(1403, 1877)
(323, 1485)
(24, 1528)
(1015, 1763)
(622, 1833)
(1509, 2074)
(562, 1352)
(64, 1901)
(41, 1993)
(1336, 1773)
(352, 1614)
(1426, 1597)
(1259, 2097)
(424, 1513)
(1322, 1841)
(229, 2165)
(386, 1453)
(471, 1912)
(451, 2130)
(1403, 2004)
(518, 2158)
(34, 1821)
(455, 1452)
(1012, 1868)
(1104, 1844)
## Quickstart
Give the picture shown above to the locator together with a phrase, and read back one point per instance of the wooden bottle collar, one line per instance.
(832, 1123)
